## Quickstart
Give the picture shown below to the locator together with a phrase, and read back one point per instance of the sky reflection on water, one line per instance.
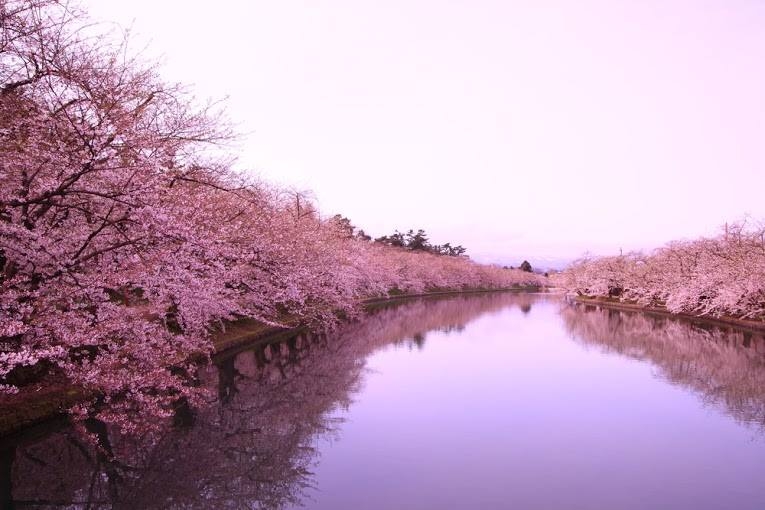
(490, 401)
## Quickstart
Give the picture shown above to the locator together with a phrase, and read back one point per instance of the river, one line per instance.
(499, 400)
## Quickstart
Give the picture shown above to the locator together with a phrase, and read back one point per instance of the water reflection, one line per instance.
(253, 446)
(724, 366)
(507, 410)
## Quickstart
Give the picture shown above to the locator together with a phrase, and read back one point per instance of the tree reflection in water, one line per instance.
(253, 445)
(724, 366)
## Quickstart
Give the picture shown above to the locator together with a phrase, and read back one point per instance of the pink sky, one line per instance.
(518, 129)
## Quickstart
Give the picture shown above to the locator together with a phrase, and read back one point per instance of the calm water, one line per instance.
(490, 401)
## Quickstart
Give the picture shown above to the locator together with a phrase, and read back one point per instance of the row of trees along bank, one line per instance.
(124, 241)
(722, 276)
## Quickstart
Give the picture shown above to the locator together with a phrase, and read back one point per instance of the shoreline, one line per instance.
(30, 413)
(248, 331)
(751, 325)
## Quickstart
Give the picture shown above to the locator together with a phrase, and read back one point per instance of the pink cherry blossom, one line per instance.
(125, 243)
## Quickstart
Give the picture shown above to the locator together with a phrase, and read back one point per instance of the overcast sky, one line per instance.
(518, 129)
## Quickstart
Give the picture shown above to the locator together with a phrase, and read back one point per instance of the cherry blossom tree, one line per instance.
(125, 244)
(103, 269)
(719, 276)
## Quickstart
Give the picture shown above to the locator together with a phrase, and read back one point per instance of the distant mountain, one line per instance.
(537, 263)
